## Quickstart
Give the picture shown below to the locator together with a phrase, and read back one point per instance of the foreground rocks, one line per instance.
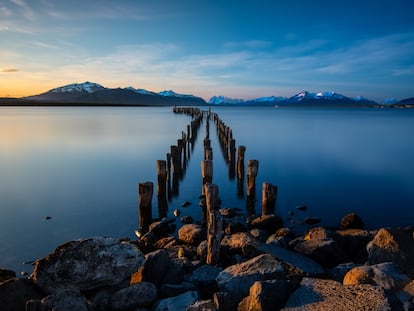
(261, 267)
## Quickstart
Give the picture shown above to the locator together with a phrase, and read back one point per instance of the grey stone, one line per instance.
(156, 266)
(266, 295)
(64, 299)
(172, 290)
(386, 275)
(203, 305)
(318, 294)
(393, 245)
(87, 264)
(177, 303)
(141, 294)
(191, 234)
(237, 279)
(15, 292)
(204, 278)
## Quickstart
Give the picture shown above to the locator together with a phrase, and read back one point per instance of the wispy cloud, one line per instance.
(9, 70)
(25, 9)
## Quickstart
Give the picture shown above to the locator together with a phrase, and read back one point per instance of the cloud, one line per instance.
(8, 70)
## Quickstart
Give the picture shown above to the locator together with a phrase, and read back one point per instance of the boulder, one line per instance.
(234, 226)
(165, 243)
(259, 234)
(191, 234)
(137, 295)
(187, 220)
(177, 303)
(203, 305)
(351, 221)
(239, 243)
(15, 292)
(319, 233)
(266, 295)
(318, 294)
(268, 223)
(236, 280)
(204, 278)
(385, 275)
(62, 299)
(202, 251)
(6, 275)
(156, 267)
(87, 264)
(338, 273)
(326, 252)
(172, 290)
(395, 245)
(354, 243)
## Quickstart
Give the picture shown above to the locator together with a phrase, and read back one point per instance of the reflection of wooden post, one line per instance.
(206, 172)
(145, 191)
(232, 158)
(169, 179)
(176, 169)
(269, 196)
(214, 224)
(161, 188)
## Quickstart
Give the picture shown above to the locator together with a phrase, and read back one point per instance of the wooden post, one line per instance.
(232, 158)
(240, 162)
(206, 172)
(161, 188)
(252, 168)
(269, 197)
(169, 177)
(176, 160)
(145, 191)
(214, 224)
(208, 153)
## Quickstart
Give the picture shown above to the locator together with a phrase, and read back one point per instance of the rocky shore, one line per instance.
(262, 266)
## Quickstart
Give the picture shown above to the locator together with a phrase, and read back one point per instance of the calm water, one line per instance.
(81, 167)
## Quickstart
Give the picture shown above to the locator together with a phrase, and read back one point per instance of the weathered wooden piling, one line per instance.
(214, 224)
(252, 169)
(269, 197)
(232, 159)
(162, 188)
(176, 160)
(206, 172)
(208, 153)
(145, 191)
(240, 161)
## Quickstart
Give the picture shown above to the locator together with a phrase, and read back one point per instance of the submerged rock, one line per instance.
(351, 221)
(87, 264)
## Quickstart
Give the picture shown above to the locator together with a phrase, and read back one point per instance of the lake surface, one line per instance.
(81, 167)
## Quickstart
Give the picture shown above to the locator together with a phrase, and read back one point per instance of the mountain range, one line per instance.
(89, 93)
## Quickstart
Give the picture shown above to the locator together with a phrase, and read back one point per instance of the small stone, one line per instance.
(177, 212)
(187, 220)
(191, 234)
(48, 218)
(301, 207)
(186, 204)
(351, 221)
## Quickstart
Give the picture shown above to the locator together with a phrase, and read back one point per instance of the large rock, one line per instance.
(204, 278)
(177, 303)
(318, 294)
(62, 299)
(15, 292)
(326, 252)
(191, 234)
(351, 221)
(241, 243)
(354, 243)
(386, 275)
(236, 280)
(134, 296)
(266, 296)
(395, 245)
(269, 223)
(155, 268)
(87, 264)
(203, 305)
(6, 274)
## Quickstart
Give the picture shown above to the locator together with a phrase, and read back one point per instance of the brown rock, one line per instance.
(269, 223)
(351, 221)
(141, 294)
(191, 234)
(15, 292)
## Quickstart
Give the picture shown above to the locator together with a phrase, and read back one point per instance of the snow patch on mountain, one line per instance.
(218, 100)
(88, 87)
(174, 94)
(139, 91)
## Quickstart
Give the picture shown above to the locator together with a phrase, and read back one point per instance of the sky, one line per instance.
(240, 49)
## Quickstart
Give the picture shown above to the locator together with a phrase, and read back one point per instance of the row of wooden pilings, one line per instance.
(210, 202)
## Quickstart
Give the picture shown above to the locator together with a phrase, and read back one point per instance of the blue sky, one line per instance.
(241, 49)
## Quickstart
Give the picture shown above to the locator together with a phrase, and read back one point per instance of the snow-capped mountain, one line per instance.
(88, 87)
(220, 100)
(261, 101)
(92, 93)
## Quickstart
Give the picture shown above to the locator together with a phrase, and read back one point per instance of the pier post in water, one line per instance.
(269, 197)
(145, 191)
(214, 224)
(232, 158)
(206, 172)
(162, 188)
(240, 171)
(252, 169)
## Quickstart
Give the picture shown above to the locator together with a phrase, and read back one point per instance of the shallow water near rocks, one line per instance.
(67, 173)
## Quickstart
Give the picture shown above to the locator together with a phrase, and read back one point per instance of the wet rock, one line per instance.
(63, 299)
(177, 212)
(228, 212)
(187, 220)
(177, 303)
(186, 204)
(259, 234)
(351, 221)
(156, 267)
(326, 252)
(268, 223)
(266, 295)
(6, 275)
(15, 292)
(191, 234)
(172, 290)
(87, 264)
(338, 273)
(318, 294)
(204, 278)
(312, 220)
(395, 245)
(301, 207)
(202, 251)
(319, 233)
(234, 227)
(160, 228)
(285, 232)
(239, 243)
(386, 275)
(236, 280)
(165, 242)
(354, 243)
(203, 305)
(279, 241)
(137, 295)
